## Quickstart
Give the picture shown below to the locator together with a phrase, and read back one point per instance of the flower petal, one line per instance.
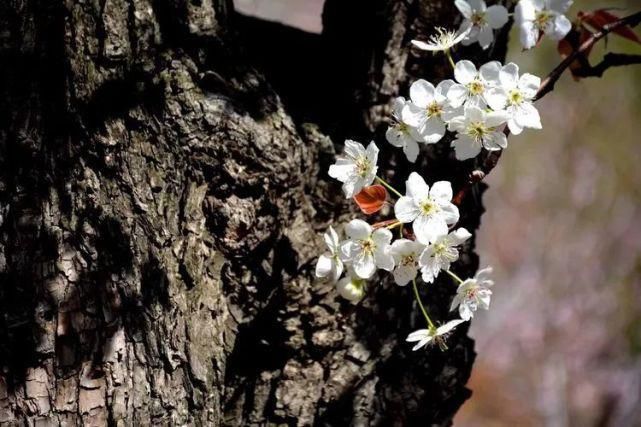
(415, 187)
(509, 76)
(465, 147)
(357, 229)
(406, 210)
(496, 16)
(422, 93)
(465, 72)
(441, 190)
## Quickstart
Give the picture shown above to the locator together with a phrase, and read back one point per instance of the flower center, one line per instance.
(408, 260)
(542, 19)
(368, 246)
(362, 166)
(470, 293)
(439, 248)
(476, 87)
(428, 207)
(434, 110)
(478, 130)
(478, 18)
(515, 97)
(403, 128)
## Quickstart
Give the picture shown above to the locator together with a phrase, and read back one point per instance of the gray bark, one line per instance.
(163, 193)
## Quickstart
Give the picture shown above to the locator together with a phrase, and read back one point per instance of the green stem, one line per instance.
(420, 304)
(449, 57)
(454, 276)
(389, 187)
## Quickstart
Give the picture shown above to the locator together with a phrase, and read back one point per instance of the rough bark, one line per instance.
(163, 192)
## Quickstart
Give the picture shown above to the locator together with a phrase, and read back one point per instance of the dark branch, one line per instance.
(609, 60)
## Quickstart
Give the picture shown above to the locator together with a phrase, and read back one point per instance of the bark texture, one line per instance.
(163, 192)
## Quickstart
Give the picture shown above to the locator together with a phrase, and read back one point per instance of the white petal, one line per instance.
(342, 169)
(560, 5)
(464, 72)
(433, 130)
(413, 115)
(411, 150)
(372, 153)
(449, 326)
(419, 335)
(524, 11)
(457, 95)
(324, 266)
(561, 28)
(509, 76)
(496, 118)
(486, 37)
(496, 16)
(422, 93)
(350, 289)
(529, 35)
(406, 210)
(364, 266)
(331, 239)
(496, 98)
(427, 228)
(353, 149)
(384, 260)
(352, 185)
(464, 8)
(528, 116)
(357, 229)
(449, 213)
(477, 5)
(490, 72)
(515, 128)
(529, 85)
(442, 88)
(459, 236)
(382, 236)
(393, 135)
(425, 46)
(441, 190)
(415, 187)
(465, 312)
(466, 147)
(404, 274)
(495, 141)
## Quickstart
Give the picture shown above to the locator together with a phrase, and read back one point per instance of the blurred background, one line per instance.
(561, 345)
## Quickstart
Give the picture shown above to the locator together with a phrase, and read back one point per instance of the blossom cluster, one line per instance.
(478, 107)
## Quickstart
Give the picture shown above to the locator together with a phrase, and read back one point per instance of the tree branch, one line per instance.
(548, 83)
(609, 60)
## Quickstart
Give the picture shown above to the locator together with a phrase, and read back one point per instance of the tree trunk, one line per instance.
(163, 193)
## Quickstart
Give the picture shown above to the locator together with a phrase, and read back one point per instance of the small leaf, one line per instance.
(600, 18)
(371, 199)
(569, 44)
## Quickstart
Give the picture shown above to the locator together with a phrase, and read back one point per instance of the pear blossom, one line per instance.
(443, 40)
(483, 21)
(351, 287)
(431, 209)
(441, 253)
(515, 95)
(330, 264)
(403, 134)
(472, 84)
(473, 294)
(430, 109)
(406, 253)
(477, 129)
(537, 17)
(433, 334)
(357, 169)
(367, 248)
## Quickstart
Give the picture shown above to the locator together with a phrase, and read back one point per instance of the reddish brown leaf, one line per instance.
(599, 18)
(371, 199)
(569, 44)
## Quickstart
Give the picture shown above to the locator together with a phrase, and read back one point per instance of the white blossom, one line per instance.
(330, 264)
(367, 248)
(441, 253)
(443, 40)
(534, 17)
(430, 109)
(477, 129)
(351, 287)
(472, 84)
(430, 209)
(402, 134)
(424, 336)
(357, 169)
(406, 253)
(483, 21)
(473, 294)
(515, 96)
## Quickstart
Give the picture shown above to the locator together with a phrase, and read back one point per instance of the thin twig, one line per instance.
(547, 86)
(609, 60)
